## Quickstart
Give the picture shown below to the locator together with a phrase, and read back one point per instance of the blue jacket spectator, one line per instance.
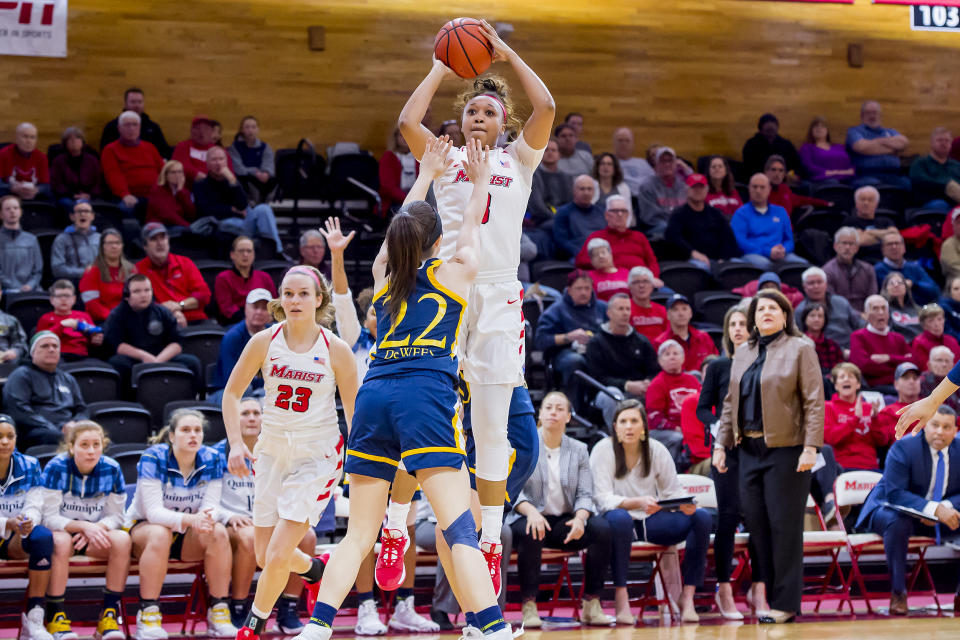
(255, 319)
(77, 247)
(578, 219)
(923, 287)
(762, 229)
(874, 148)
(21, 263)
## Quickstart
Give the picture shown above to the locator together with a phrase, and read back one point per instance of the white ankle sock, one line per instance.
(397, 515)
(491, 519)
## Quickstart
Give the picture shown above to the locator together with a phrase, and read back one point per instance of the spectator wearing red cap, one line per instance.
(192, 153)
(660, 194)
(699, 231)
(629, 247)
(177, 283)
(130, 165)
(696, 344)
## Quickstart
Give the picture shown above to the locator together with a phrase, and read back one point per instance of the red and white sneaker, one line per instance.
(493, 554)
(246, 633)
(390, 571)
(311, 589)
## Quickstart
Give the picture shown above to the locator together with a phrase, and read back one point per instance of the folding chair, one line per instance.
(825, 544)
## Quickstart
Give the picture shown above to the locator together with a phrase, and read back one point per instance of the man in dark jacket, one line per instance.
(619, 357)
(701, 232)
(41, 398)
(149, 130)
(143, 331)
(566, 327)
(767, 142)
(13, 342)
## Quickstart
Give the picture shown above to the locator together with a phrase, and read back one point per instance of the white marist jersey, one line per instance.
(511, 176)
(300, 388)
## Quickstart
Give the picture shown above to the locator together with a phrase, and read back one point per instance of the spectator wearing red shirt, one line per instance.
(907, 384)
(630, 248)
(933, 321)
(177, 283)
(647, 318)
(849, 425)
(607, 279)
(780, 192)
(170, 202)
(130, 165)
(696, 344)
(23, 167)
(876, 349)
(230, 288)
(722, 193)
(192, 153)
(665, 396)
(75, 329)
(101, 287)
(398, 172)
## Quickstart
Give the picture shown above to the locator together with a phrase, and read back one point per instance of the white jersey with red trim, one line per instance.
(300, 388)
(511, 177)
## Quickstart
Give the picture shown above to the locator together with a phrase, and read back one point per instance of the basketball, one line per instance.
(462, 46)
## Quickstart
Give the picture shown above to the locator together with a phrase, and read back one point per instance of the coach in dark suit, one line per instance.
(922, 473)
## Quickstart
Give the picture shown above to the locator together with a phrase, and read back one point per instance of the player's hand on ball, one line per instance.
(500, 49)
(475, 164)
(442, 69)
(435, 158)
(237, 462)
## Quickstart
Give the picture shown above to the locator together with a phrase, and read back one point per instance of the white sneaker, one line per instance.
(219, 624)
(368, 620)
(149, 625)
(406, 618)
(470, 633)
(314, 631)
(32, 627)
(504, 634)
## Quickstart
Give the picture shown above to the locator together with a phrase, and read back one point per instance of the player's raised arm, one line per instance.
(539, 125)
(433, 163)
(251, 359)
(411, 117)
(914, 416)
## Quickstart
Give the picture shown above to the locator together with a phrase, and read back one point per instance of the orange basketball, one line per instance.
(462, 46)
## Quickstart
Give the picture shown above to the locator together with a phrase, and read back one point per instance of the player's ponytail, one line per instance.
(408, 244)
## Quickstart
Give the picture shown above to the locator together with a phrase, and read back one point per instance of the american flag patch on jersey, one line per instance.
(505, 163)
(319, 360)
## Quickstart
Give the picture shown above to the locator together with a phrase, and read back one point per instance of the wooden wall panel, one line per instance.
(692, 73)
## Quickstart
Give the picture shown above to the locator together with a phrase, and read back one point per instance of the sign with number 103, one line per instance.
(924, 17)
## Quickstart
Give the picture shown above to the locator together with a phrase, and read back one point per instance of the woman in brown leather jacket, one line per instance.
(773, 413)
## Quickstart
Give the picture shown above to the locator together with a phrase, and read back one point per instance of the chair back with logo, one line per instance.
(853, 487)
(702, 489)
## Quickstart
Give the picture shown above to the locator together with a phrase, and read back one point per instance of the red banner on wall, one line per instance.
(931, 3)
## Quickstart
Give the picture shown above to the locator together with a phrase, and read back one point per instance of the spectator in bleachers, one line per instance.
(619, 358)
(176, 281)
(722, 193)
(875, 149)
(631, 472)
(864, 218)
(575, 120)
(552, 188)
(766, 142)
(76, 247)
(935, 177)
(236, 515)
(83, 506)
(647, 318)
(101, 287)
(812, 321)
(170, 202)
(230, 288)
(573, 160)
(842, 320)
(76, 329)
(133, 101)
(917, 475)
(556, 510)
(13, 342)
(75, 174)
(24, 171)
(665, 396)
(763, 229)
(43, 399)
(907, 384)
(922, 286)
(716, 382)
(577, 219)
(629, 247)
(696, 440)
(192, 153)
(252, 160)
(780, 192)
(938, 365)
(699, 231)
(774, 414)
(25, 538)
(848, 276)
(769, 280)
(140, 330)
(219, 194)
(608, 180)
(822, 160)
(904, 312)
(696, 344)
(634, 168)
(660, 194)
(849, 425)
(566, 327)
(21, 263)
(607, 279)
(451, 128)
(933, 321)
(950, 250)
(130, 165)
(877, 350)
(950, 301)
(313, 251)
(175, 515)
(398, 172)
(256, 318)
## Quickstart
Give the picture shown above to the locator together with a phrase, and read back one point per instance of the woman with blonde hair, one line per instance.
(170, 202)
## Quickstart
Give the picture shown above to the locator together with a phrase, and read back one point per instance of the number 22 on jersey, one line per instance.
(421, 340)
